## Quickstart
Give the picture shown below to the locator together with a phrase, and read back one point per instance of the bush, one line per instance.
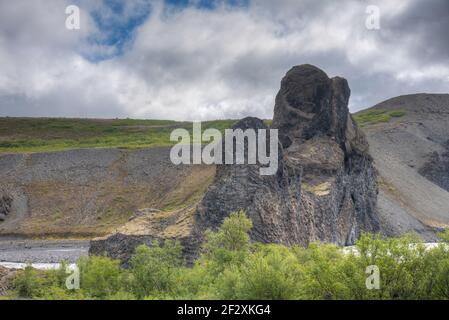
(271, 272)
(27, 283)
(155, 269)
(229, 245)
(100, 277)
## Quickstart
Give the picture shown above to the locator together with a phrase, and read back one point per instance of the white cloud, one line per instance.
(202, 64)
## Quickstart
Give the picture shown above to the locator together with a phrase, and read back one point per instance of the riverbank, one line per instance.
(41, 251)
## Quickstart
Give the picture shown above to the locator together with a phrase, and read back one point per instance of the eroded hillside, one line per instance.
(91, 192)
(408, 137)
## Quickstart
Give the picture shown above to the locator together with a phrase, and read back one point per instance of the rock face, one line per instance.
(325, 187)
(5, 205)
(6, 277)
(122, 246)
(436, 169)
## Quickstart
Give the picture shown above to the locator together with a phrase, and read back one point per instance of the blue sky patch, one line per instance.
(208, 4)
(117, 21)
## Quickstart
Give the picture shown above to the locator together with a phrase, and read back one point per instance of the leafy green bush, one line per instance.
(27, 284)
(155, 269)
(100, 277)
(229, 245)
(271, 272)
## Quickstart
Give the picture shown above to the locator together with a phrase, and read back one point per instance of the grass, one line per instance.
(55, 134)
(375, 116)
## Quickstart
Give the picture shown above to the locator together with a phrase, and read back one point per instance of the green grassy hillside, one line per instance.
(374, 116)
(52, 134)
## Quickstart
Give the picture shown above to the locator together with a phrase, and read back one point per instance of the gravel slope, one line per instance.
(401, 148)
(90, 192)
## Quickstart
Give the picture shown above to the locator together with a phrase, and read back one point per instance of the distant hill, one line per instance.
(408, 137)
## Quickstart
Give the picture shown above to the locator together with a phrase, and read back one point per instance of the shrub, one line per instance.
(155, 269)
(321, 265)
(271, 272)
(27, 283)
(229, 245)
(100, 277)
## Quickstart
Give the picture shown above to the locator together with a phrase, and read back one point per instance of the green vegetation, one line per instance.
(375, 116)
(233, 267)
(42, 134)
(397, 114)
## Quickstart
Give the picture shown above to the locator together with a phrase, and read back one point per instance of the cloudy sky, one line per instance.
(198, 59)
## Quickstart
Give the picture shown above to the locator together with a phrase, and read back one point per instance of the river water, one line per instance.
(42, 254)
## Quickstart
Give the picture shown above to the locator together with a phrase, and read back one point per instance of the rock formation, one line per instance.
(6, 277)
(436, 168)
(5, 205)
(325, 187)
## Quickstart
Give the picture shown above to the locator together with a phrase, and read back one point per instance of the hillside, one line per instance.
(55, 134)
(90, 192)
(87, 177)
(408, 137)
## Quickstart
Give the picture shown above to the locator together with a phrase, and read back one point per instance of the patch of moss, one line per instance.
(375, 116)
(398, 113)
(322, 189)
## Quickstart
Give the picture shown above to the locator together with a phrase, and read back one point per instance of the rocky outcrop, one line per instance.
(122, 246)
(325, 187)
(5, 205)
(272, 202)
(6, 277)
(436, 168)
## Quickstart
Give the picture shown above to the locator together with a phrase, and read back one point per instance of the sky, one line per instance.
(202, 60)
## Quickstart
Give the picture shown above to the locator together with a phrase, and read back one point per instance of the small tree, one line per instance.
(27, 283)
(100, 277)
(229, 244)
(154, 269)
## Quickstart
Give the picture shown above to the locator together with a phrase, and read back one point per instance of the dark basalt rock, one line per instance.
(5, 205)
(272, 202)
(122, 247)
(325, 187)
(6, 279)
(436, 168)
